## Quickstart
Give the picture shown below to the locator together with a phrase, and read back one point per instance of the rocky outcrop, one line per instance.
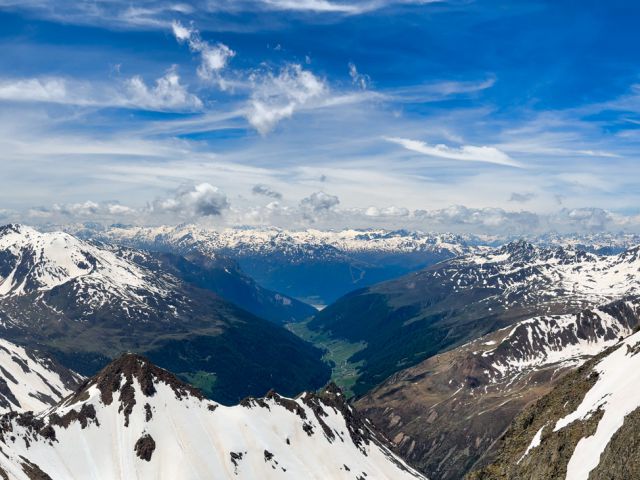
(447, 414)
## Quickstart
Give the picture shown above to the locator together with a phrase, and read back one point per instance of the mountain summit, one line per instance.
(134, 420)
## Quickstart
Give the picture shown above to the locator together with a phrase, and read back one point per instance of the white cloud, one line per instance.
(79, 211)
(168, 94)
(589, 219)
(357, 78)
(84, 209)
(52, 90)
(318, 204)
(467, 153)
(213, 58)
(343, 7)
(181, 32)
(438, 91)
(316, 6)
(145, 15)
(496, 220)
(392, 211)
(276, 97)
(117, 209)
(201, 200)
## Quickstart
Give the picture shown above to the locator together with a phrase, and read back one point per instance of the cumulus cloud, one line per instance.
(213, 58)
(201, 200)
(468, 153)
(167, 93)
(266, 191)
(84, 209)
(319, 201)
(117, 209)
(589, 219)
(387, 212)
(276, 97)
(318, 204)
(486, 219)
(88, 210)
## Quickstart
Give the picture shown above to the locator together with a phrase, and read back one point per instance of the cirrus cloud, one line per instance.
(467, 153)
(167, 94)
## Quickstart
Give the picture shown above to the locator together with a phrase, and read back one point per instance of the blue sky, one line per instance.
(489, 116)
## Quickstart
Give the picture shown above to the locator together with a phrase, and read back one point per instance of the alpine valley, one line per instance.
(185, 352)
(313, 265)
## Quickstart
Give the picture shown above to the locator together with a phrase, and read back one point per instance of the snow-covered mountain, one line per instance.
(585, 428)
(136, 421)
(31, 381)
(245, 241)
(84, 303)
(604, 243)
(33, 261)
(406, 320)
(470, 394)
(313, 265)
(522, 271)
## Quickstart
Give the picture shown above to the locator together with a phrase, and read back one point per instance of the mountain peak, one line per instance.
(519, 248)
(120, 374)
(33, 261)
(10, 227)
(124, 436)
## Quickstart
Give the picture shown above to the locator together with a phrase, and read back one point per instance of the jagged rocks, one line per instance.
(144, 447)
(121, 410)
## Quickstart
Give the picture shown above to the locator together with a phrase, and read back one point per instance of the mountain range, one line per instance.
(314, 266)
(494, 362)
(446, 414)
(401, 322)
(85, 303)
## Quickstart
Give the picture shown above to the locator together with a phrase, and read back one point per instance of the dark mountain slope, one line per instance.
(421, 314)
(224, 277)
(85, 304)
(445, 414)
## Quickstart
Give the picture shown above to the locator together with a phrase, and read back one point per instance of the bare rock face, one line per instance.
(144, 447)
